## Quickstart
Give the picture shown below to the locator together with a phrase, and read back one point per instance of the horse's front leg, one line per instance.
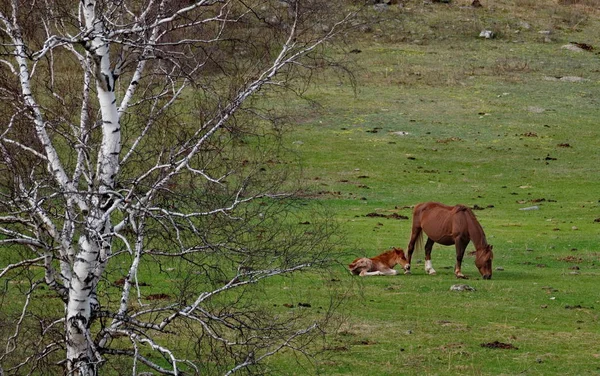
(461, 245)
(365, 273)
(428, 265)
(388, 271)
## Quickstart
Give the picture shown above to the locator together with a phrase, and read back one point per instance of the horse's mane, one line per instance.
(393, 250)
(475, 229)
(390, 254)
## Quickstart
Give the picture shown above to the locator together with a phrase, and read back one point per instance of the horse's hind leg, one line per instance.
(428, 265)
(414, 237)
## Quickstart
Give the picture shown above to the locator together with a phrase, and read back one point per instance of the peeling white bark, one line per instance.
(70, 231)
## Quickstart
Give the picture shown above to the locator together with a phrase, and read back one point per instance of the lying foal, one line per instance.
(379, 265)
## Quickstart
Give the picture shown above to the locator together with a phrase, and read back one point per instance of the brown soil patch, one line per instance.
(499, 345)
(157, 296)
(388, 216)
(573, 259)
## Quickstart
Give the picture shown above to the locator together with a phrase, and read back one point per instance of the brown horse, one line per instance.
(379, 265)
(449, 225)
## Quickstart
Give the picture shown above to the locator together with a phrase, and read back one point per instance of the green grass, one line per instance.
(441, 115)
(486, 123)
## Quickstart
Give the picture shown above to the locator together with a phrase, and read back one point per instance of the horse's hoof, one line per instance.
(432, 272)
(461, 276)
(407, 272)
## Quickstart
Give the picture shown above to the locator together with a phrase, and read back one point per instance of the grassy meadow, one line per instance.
(502, 125)
(440, 114)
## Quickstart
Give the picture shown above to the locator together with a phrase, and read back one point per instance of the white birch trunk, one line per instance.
(94, 244)
(78, 239)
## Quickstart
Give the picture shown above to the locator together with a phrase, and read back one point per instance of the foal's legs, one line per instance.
(365, 273)
(414, 236)
(461, 245)
(428, 265)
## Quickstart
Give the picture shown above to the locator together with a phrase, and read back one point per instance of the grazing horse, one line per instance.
(379, 265)
(449, 225)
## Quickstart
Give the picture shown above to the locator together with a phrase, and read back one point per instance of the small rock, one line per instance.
(583, 46)
(572, 47)
(461, 287)
(573, 79)
(524, 25)
(535, 207)
(536, 110)
(381, 7)
(565, 78)
(365, 29)
(487, 34)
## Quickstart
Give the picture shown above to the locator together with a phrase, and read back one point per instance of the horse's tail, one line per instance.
(416, 235)
(419, 240)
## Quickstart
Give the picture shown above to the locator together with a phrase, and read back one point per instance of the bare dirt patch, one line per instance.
(388, 216)
(499, 345)
(157, 297)
(571, 259)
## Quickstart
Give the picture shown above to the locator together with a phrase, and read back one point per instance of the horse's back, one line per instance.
(432, 211)
(442, 223)
(438, 209)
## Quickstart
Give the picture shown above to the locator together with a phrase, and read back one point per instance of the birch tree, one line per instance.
(131, 142)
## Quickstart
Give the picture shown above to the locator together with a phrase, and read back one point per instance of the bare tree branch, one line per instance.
(137, 154)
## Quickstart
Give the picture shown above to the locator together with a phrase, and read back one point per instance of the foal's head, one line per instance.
(483, 261)
(398, 257)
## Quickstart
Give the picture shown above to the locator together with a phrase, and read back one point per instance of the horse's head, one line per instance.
(483, 261)
(399, 257)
